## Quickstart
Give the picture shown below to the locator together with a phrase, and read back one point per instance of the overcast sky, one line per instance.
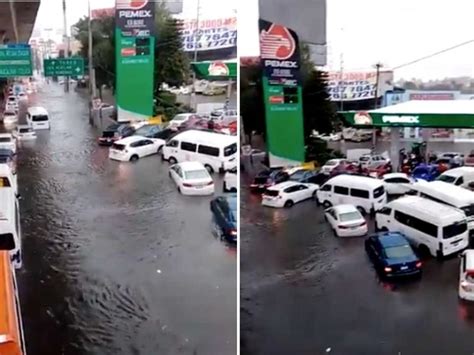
(394, 33)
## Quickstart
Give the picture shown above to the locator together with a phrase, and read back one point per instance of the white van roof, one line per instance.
(37, 110)
(453, 195)
(5, 170)
(356, 181)
(428, 209)
(203, 137)
(469, 259)
(7, 208)
(463, 170)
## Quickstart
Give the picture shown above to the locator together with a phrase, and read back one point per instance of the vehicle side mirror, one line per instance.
(18, 196)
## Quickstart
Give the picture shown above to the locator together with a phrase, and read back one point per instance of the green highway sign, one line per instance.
(15, 62)
(64, 67)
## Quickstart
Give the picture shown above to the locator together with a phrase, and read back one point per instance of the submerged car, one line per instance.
(392, 255)
(267, 178)
(224, 216)
(24, 133)
(115, 132)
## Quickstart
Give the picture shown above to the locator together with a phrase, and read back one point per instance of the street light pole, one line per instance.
(376, 99)
(193, 90)
(67, 44)
(92, 84)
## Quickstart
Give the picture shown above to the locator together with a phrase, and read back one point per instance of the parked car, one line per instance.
(214, 90)
(466, 275)
(192, 178)
(309, 177)
(155, 131)
(454, 157)
(224, 217)
(346, 221)
(372, 161)
(462, 176)
(267, 178)
(135, 147)
(24, 133)
(425, 172)
(287, 193)
(179, 121)
(397, 183)
(332, 164)
(8, 157)
(380, 170)
(224, 117)
(10, 117)
(7, 142)
(230, 181)
(392, 255)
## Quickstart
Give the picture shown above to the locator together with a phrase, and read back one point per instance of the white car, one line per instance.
(180, 120)
(7, 142)
(372, 161)
(24, 133)
(397, 183)
(10, 117)
(134, 147)
(331, 165)
(346, 221)
(12, 100)
(466, 276)
(287, 193)
(230, 181)
(192, 178)
(12, 106)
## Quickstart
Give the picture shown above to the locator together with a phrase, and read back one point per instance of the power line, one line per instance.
(433, 54)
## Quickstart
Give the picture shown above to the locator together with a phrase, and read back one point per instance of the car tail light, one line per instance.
(419, 264)
(343, 227)
(187, 185)
(362, 224)
(210, 183)
(387, 269)
(233, 232)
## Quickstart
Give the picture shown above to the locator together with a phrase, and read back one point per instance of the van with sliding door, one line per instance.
(458, 176)
(365, 193)
(450, 195)
(38, 118)
(434, 228)
(216, 151)
(10, 228)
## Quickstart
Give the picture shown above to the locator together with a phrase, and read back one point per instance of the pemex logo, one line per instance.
(131, 4)
(218, 69)
(277, 43)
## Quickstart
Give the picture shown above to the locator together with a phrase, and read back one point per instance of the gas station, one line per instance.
(423, 114)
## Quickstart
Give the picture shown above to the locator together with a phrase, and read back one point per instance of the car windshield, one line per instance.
(379, 191)
(196, 174)
(4, 182)
(180, 117)
(230, 150)
(331, 162)
(146, 130)
(40, 118)
(350, 216)
(7, 241)
(9, 113)
(298, 175)
(118, 146)
(447, 178)
(366, 158)
(399, 251)
(454, 229)
(5, 139)
(24, 130)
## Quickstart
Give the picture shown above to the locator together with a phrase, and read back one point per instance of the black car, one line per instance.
(224, 216)
(309, 177)
(267, 178)
(115, 132)
(392, 255)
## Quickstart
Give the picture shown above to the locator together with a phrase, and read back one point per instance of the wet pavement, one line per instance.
(304, 291)
(116, 261)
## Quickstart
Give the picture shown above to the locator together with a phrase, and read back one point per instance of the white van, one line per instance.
(466, 276)
(10, 228)
(217, 152)
(436, 228)
(7, 178)
(458, 176)
(450, 195)
(367, 194)
(38, 118)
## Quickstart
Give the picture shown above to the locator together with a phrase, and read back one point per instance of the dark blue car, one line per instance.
(309, 177)
(224, 216)
(425, 172)
(392, 255)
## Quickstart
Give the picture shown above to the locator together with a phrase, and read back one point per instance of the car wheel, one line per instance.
(384, 229)
(178, 188)
(424, 251)
(209, 168)
(172, 160)
(289, 204)
(134, 157)
(327, 204)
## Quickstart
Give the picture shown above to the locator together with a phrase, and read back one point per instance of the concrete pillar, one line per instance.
(395, 147)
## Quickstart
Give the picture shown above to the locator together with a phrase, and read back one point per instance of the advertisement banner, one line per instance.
(353, 86)
(282, 90)
(135, 59)
(215, 70)
(135, 18)
(209, 34)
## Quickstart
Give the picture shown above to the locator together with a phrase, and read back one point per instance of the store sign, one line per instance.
(209, 34)
(135, 18)
(353, 86)
(282, 90)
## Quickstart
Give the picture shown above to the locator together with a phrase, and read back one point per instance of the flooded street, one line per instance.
(116, 261)
(304, 291)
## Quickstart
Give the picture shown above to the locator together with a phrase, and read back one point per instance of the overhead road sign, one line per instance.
(15, 61)
(64, 67)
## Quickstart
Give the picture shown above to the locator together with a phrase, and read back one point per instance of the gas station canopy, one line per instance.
(434, 114)
(215, 70)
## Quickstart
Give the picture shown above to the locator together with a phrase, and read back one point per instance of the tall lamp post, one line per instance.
(376, 100)
(195, 56)
(67, 44)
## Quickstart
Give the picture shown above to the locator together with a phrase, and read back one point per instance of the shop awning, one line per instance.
(434, 114)
(215, 70)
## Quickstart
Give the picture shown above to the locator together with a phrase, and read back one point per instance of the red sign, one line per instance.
(276, 99)
(277, 43)
(99, 13)
(128, 52)
(433, 96)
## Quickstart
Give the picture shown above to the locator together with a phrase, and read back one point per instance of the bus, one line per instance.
(12, 341)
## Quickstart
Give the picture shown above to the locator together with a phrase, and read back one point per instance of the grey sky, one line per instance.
(394, 33)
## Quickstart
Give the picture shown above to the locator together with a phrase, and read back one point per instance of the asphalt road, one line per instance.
(115, 260)
(304, 291)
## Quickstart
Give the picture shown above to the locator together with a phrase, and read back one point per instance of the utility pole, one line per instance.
(193, 91)
(376, 99)
(67, 44)
(342, 82)
(92, 83)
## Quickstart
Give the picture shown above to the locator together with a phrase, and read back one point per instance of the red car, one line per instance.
(469, 161)
(380, 170)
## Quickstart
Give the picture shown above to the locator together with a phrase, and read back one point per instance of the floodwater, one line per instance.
(304, 291)
(116, 261)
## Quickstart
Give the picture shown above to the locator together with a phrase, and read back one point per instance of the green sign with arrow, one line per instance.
(64, 67)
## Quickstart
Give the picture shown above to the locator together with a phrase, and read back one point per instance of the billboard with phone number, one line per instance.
(209, 34)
